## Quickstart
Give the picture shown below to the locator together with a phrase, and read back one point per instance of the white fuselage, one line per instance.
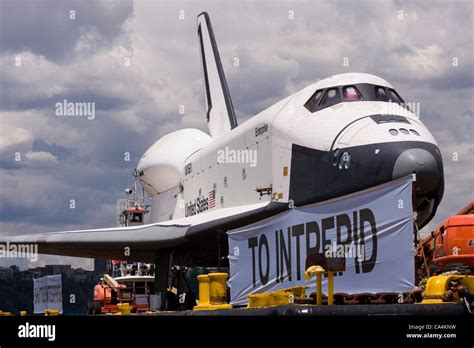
(252, 162)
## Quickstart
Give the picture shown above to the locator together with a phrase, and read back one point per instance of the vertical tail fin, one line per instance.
(220, 111)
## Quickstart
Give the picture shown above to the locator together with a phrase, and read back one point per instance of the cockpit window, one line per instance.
(327, 97)
(312, 103)
(318, 95)
(331, 97)
(395, 97)
(351, 93)
(380, 93)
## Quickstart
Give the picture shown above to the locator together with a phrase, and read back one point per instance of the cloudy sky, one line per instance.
(138, 62)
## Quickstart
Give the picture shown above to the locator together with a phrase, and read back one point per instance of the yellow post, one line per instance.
(212, 291)
(23, 313)
(330, 288)
(218, 288)
(124, 308)
(319, 289)
(204, 289)
(318, 271)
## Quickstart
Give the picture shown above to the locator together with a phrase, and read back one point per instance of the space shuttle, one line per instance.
(337, 136)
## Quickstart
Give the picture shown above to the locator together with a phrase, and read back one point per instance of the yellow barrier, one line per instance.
(469, 283)
(212, 291)
(281, 298)
(124, 308)
(257, 300)
(5, 314)
(298, 291)
(51, 312)
(276, 298)
(23, 313)
(269, 299)
(438, 286)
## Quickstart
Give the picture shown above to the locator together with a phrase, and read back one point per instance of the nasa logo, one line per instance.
(260, 130)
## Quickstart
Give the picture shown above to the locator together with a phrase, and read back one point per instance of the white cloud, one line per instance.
(14, 138)
(423, 62)
(41, 156)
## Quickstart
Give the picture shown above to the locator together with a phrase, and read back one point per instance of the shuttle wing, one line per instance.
(220, 111)
(138, 243)
(144, 243)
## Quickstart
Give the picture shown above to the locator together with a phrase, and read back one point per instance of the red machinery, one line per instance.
(451, 245)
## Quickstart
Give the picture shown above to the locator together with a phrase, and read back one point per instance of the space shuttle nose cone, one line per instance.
(421, 162)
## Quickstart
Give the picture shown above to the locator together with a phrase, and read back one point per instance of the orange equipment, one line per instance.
(111, 292)
(107, 295)
(451, 246)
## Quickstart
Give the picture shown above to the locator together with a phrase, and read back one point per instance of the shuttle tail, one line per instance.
(220, 111)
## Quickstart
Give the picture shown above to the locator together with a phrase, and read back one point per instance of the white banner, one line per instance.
(47, 294)
(371, 229)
